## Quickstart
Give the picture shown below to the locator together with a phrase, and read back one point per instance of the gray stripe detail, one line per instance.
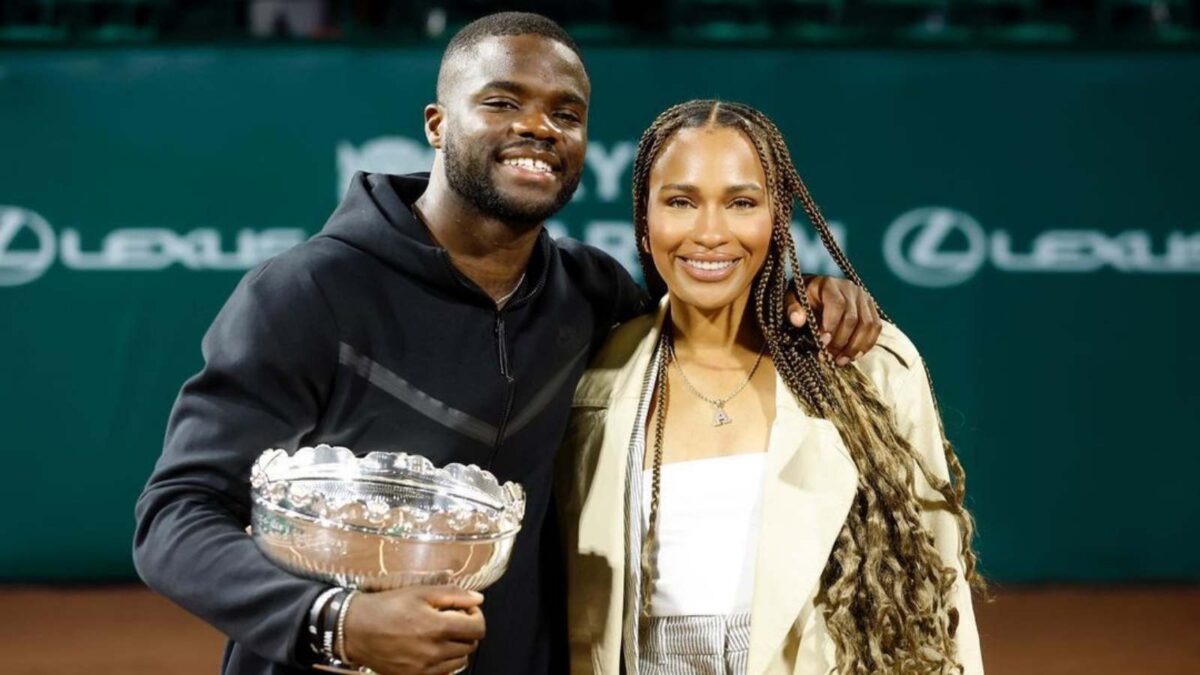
(398, 387)
(544, 396)
(635, 521)
(696, 645)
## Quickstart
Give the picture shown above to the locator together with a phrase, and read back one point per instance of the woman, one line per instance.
(787, 516)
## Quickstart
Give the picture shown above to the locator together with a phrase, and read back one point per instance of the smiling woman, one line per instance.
(795, 517)
(712, 220)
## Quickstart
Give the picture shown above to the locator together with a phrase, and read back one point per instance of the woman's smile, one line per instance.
(708, 269)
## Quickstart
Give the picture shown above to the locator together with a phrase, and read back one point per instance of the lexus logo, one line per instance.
(925, 247)
(20, 263)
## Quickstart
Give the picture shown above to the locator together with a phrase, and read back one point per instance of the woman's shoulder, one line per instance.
(613, 360)
(892, 362)
(893, 341)
(623, 342)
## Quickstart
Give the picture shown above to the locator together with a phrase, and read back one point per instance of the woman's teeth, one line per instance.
(529, 164)
(710, 265)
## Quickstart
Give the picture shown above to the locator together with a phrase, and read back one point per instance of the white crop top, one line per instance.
(708, 522)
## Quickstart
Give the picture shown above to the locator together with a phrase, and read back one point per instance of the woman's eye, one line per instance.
(743, 204)
(678, 203)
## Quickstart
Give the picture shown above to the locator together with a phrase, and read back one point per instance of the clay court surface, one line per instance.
(1025, 631)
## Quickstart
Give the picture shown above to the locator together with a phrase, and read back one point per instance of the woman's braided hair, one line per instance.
(886, 596)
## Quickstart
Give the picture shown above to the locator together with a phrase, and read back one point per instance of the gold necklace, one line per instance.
(720, 417)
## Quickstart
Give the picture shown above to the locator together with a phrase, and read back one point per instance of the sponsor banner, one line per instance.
(129, 249)
(920, 249)
(1028, 219)
(930, 246)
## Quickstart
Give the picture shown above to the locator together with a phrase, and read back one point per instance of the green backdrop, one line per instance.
(1029, 218)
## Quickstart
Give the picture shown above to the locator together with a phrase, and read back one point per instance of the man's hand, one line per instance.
(423, 629)
(850, 324)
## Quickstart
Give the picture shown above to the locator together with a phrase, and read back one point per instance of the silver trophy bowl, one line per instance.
(383, 521)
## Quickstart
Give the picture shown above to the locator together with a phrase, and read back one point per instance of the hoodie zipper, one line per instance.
(510, 384)
(506, 366)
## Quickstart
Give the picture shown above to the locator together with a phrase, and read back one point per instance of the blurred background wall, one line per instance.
(1016, 180)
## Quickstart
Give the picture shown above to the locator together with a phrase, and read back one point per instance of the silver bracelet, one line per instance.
(341, 627)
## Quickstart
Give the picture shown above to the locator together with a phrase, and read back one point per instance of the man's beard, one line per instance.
(471, 176)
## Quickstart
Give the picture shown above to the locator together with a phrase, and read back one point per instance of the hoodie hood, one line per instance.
(376, 217)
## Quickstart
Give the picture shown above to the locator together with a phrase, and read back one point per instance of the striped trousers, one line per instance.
(694, 645)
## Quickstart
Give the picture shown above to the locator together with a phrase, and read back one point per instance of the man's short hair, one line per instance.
(496, 25)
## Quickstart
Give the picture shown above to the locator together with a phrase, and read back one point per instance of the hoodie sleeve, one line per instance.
(270, 357)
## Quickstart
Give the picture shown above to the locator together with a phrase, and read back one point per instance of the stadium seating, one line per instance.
(987, 23)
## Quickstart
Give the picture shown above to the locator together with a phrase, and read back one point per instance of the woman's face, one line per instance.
(708, 216)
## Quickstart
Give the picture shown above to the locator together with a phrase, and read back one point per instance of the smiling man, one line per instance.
(432, 315)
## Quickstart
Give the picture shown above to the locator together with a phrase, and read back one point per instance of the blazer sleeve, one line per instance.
(572, 480)
(268, 360)
(918, 420)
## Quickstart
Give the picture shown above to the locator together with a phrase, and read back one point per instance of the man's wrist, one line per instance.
(319, 626)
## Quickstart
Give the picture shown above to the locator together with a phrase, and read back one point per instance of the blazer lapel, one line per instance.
(600, 522)
(602, 517)
(808, 488)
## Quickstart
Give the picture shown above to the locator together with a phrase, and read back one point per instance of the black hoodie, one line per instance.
(366, 336)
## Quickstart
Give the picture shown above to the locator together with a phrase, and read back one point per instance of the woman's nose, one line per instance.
(711, 230)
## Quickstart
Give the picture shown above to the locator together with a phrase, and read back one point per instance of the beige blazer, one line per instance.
(810, 482)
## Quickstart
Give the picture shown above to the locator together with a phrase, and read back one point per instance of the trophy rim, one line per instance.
(276, 469)
(292, 514)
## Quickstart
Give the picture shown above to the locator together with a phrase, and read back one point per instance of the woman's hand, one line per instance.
(849, 322)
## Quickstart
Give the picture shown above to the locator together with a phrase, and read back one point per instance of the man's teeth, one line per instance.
(529, 164)
(710, 265)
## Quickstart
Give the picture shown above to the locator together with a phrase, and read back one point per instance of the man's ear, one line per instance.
(435, 116)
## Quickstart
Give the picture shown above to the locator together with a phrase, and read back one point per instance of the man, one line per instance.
(432, 315)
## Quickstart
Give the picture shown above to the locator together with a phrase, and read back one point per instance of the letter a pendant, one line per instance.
(720, 417)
